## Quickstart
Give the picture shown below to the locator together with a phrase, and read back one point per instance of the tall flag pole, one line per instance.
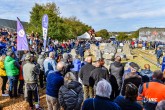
(22, 43)
(45, 29)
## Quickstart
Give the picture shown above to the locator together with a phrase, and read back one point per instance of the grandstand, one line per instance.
(10, 25)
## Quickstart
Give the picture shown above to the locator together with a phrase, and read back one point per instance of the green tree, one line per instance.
(102, 33)
(122, 36)
(135, 34)
(59, 28)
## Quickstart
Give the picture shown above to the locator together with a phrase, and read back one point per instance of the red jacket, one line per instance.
(20, 74)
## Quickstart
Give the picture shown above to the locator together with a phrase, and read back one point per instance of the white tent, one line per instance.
(84, 36)
(98, 38)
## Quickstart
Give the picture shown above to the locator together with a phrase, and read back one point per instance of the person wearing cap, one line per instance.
(129, 67)
(152, 92)
(30, 72)
(132, 77)
(12, 71)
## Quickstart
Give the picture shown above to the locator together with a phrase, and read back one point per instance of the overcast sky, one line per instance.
(113, 15)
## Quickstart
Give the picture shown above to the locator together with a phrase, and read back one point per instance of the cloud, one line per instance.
(116, 15)
(152, 13)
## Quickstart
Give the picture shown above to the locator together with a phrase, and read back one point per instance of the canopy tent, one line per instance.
(84, 36)
(98, 38)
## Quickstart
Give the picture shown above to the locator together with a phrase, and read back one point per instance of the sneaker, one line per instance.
(5, 95)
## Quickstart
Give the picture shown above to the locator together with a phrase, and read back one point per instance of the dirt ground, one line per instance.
(19, 104)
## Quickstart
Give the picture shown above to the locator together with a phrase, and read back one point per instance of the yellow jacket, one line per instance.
(2, 71)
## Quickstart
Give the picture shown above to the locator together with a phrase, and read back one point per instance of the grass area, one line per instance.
(141, 62)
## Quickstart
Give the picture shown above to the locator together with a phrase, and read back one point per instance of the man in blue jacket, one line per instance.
(54, 81)
(77, 66)
(159, 53)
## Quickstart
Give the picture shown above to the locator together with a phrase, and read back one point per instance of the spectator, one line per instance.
(152, 92)
(30, 72)
(128, 68)
(161, 105)
(85, 73)
(40, 61)
(98, 74)
(159, 54)
(163, 64)
(77, 66)
(102, 62)
(49, 63)
(129, 101)
(116, 72)
(71, 93)
(21, 80)
(3, 75)
(101, 101)
(67, 59)
(81, 52)
(132, 77)
(146, 73)
(54, 81)
(11, 67)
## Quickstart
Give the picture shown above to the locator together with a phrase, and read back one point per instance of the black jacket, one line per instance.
(67, 67)
(117, 70)
(98, 74)
(131, 78)
(85, 73)
(71, 96)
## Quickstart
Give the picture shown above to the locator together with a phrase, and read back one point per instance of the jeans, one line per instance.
(52, 103)
(88, 92)
(13, 82)
(4, 78)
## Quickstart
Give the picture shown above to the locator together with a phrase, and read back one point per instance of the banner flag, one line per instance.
(22, 43)
(45, 28)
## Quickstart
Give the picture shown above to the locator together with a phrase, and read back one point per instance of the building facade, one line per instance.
(152, 34)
